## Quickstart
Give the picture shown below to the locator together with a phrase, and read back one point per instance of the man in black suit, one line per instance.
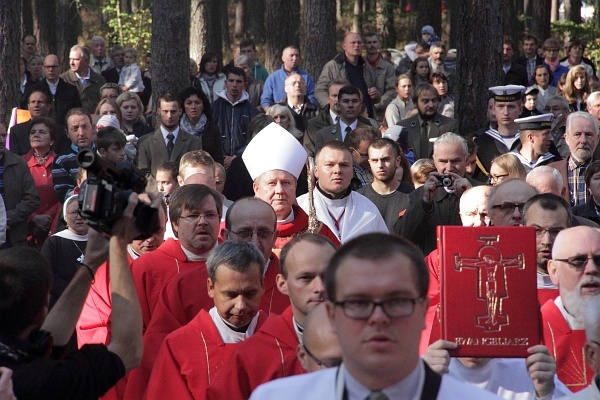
(514, 74)
(530, 59)
(427, 124)
(117, 55)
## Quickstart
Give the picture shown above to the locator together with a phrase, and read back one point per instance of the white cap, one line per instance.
(508, 93)
(535, 122)
(274, 148)
(108, 120)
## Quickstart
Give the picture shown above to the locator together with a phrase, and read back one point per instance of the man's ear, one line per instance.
(302, 356)
(282, 284)
(102, 152)
(552, 271)
(591, 355)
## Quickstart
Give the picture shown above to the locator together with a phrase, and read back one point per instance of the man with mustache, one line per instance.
(575, 269)
(582, 138)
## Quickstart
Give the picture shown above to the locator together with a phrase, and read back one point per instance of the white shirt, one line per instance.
(228, 335)
(165, 133)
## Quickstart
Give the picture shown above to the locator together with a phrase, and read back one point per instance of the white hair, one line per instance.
(591, 317)
(535, 176)
(452, 138)
(583, 115)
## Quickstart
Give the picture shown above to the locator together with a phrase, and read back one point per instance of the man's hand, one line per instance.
(373, 93)
(6, 384)
(430, 187)
(437, 356)
(42, 222)
(541, 368)
(227, 162)
(459, 183)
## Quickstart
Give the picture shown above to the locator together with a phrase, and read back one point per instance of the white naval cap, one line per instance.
(507, 93)
(274, 148)
(535, 122)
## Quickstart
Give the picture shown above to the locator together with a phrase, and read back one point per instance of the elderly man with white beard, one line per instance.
(575, 269)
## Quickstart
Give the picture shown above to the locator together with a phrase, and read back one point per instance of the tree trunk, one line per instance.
(553, 11)
(452, 9)
(357, 16)
(430, 13)
(338, 11)
(392, 9)
(540, 24)
(43, 12)
(385, 23)
(511, 26)
(240, 19)
(480, 22)
(26, 26)
(10, 13)
(68, 28)
(135, 7)
(255, 22)
(573, 11)
(170, 63)
(596, 17)
(281, 31)
(205, 28)
(318, 35)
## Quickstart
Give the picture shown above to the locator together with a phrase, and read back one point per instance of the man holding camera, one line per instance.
(436, 202)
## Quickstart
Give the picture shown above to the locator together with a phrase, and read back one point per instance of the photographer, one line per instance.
(436, 202)
(31, 339)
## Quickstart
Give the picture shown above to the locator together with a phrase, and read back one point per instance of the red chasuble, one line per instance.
(179, 302)
(566, 346)
(288, 231)
(547, 294)
(269, 354)
(153, 270)
(188, 360)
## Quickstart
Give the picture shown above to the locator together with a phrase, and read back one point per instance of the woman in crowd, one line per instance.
(506, 166)
(420, 171)
(284, 118)
(440, 83)
(211, 80)
(577, 88)
(196, 119)
(542, 76)
(109, 107)
(420, 71)
(65, 249)
(132, 120)
(44, 132)
(397, 109)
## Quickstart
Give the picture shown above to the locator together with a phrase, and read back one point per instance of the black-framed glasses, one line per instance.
(51, 66)
(597, 343)
(579, 262)
(541, 232)
(246, 234)
(196, 217)
(326, 362)
(393, 308)
(496, 178)
(362, 155)
(509, 207)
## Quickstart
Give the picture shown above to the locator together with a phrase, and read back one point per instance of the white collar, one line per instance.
(287, 219)
(67, 234)
(166, 132)
(573, 323)
(228, 335)
(410, 387)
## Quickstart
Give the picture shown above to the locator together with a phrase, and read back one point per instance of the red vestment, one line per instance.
(188, 360)
(431, 333)
(566, 346)
(179, 302)
(547, 294)
(153, 270)
(269, 354)
(289, 230)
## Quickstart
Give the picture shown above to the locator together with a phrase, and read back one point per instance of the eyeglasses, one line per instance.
(591, 341)
(555, 108)
(579, 262)
(362, 155)
(247, 234)
(508, 207)
(495, 178)
(110, 96)
(552, 50)
(51, 66)
(326, 362)
(541, 232)
(196, 217)
(363, 309)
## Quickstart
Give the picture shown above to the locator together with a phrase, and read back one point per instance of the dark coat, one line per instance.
(440, 125)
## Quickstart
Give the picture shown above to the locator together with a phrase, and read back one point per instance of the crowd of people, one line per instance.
(266, 276)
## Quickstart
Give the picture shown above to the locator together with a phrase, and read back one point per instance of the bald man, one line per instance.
(507, 200)
(320, 347)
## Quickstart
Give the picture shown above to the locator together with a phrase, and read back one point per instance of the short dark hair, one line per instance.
(333, 145)
(50, 123)
(338, 81)
(25, 282)
(77, 111)
(472, 147)
(248, 42)
(508, 40)
(547, 68)
(46, 94)
(206, 58)
(528, 36)
(314, 238)
(236, 71)
(592, 169)
(422, 87)
(237, 255)
(169, 97)
(574, 43)
(189, 92)
(438, 76)
(397, 151)
(191, 197)
(363, 132)
(551, 202)
(172, 167)
(378, 246)
(108, 136)
(349, 90)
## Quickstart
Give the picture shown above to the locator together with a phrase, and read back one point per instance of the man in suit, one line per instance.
(117, 55)
(99, 62)
(530, 58)
(428, 123)
(38, 105)
(81, 76)
(349, 103)
(514, 74)
(168, 142)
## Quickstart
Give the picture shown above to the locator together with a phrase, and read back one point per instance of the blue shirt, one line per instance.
(274, 90)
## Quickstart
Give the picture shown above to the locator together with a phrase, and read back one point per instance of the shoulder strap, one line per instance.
(432, 384)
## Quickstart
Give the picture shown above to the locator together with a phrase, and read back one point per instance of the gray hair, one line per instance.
(562, 100)
(452, 138)
(535, 175)
(594, 96)
(282, 109)
(85, 52)
(238, 255)
(591, 318)
(110, 85)
(583, 115)
(242, 60)
(97, 39)
(115, 48)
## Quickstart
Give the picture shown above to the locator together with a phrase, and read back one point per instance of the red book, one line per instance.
(488, 290)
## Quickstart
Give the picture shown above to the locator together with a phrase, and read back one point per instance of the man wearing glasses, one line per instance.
(377, 299)
(507, 201)
(359, 141)
(551, 48)
(575, 269)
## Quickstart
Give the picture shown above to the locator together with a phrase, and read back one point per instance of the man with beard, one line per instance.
(389, 196)
(575, 269)
(359, 141)
(428, 124)
(582, 138)
(548, 214)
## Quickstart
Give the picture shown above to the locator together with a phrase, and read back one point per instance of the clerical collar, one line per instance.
(132, 253)
(573, 322)
(192, 256)
(227, 332)
(287, 219)
(346, 194)
(299, 330)
(411, 387)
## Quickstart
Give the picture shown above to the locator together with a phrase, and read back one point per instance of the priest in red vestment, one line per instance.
(195, 212)
(274, 159)
(248, 219)
(271, 352)
(575, 269)
(190, 357)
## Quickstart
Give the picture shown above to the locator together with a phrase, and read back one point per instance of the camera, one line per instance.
(105, 194)
(444, 181)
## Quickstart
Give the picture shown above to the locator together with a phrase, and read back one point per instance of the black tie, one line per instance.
(170, 143)
(424, 140)
(348, 130)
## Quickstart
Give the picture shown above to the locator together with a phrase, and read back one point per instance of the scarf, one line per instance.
(194, 130)
(210, 80)
(552, 65)
(41, 160)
